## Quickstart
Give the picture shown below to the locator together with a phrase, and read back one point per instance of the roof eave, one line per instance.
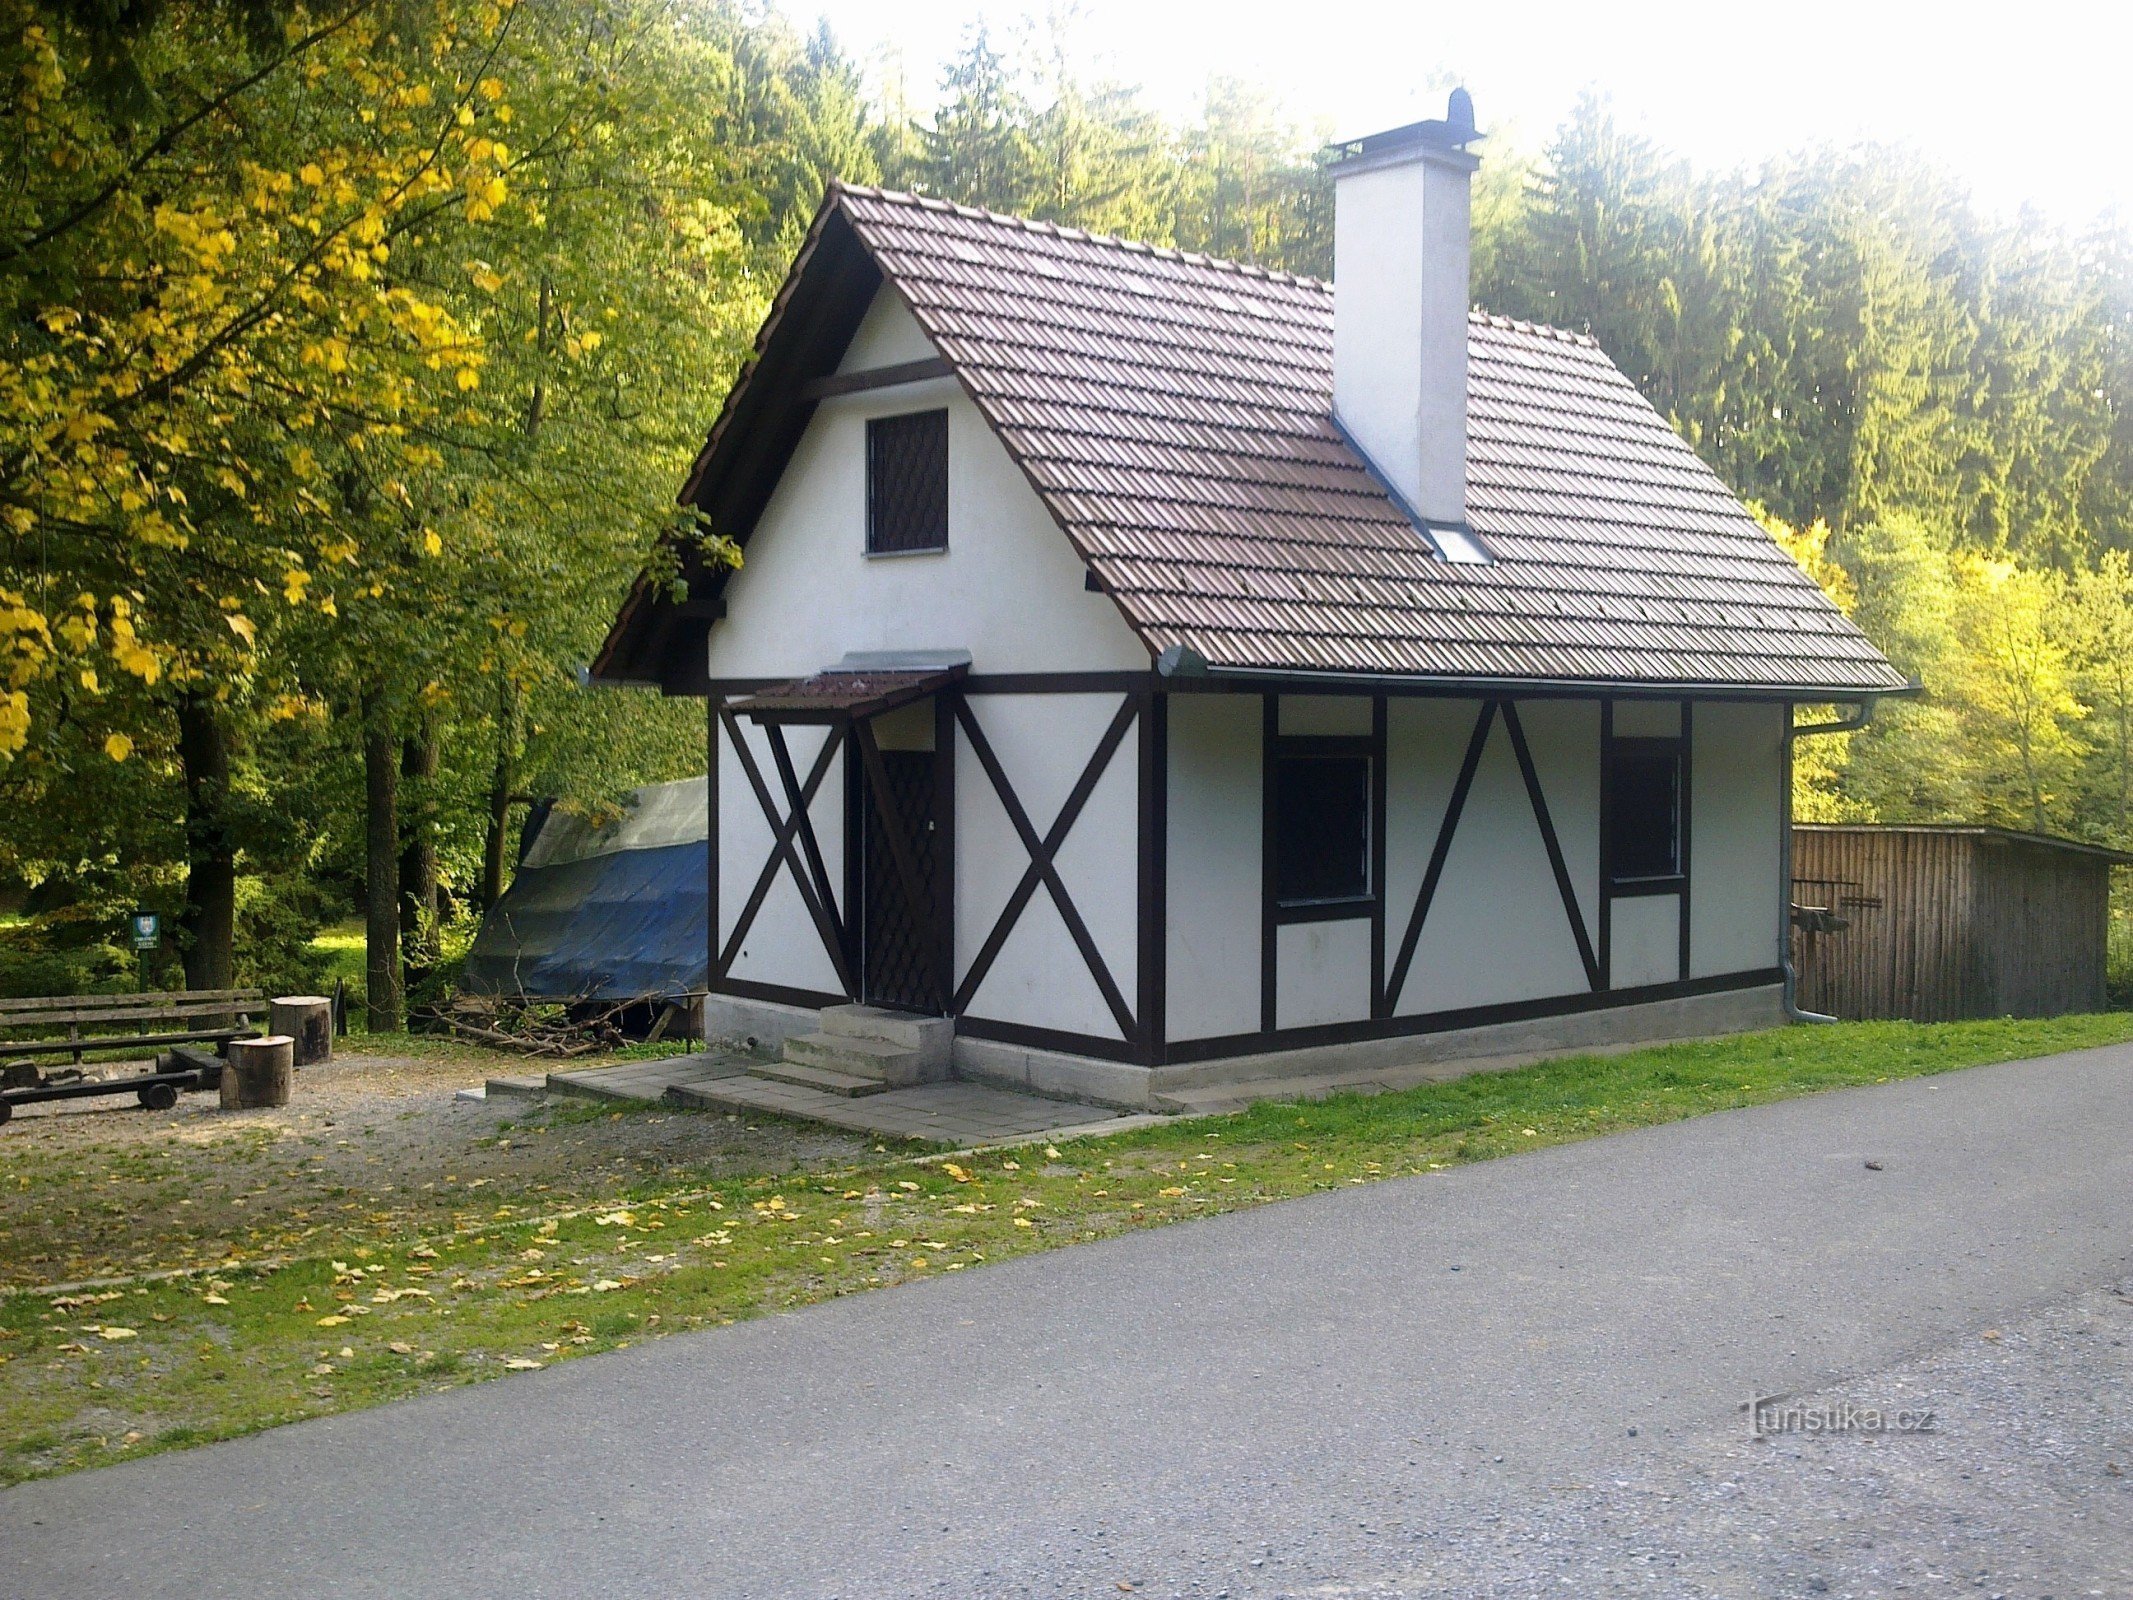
(1559, 688)
(730, 484)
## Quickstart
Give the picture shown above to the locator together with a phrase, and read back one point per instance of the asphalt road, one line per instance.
(1517, 1377)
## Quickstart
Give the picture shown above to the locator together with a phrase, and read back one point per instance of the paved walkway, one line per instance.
(1321, 1397)
(948, 1113)
(960, 1114)
(641, 1080)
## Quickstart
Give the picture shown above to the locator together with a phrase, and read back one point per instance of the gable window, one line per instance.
(1644, 809)
(907, 483)
(1321, 829)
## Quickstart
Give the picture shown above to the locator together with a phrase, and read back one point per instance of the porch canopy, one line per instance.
(860, 687)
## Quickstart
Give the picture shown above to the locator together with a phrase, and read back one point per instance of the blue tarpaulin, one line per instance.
(614, 912)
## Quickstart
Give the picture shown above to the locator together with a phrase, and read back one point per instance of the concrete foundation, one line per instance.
(1369, 1063)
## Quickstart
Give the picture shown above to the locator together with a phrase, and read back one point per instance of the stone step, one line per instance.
(924, 1046)
(904, 1029)
(825, 1080)
(862, 1058)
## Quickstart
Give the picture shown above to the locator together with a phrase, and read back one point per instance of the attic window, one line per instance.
(907, 483)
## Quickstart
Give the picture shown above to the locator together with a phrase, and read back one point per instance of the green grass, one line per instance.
(360, 1312)
(341, 948)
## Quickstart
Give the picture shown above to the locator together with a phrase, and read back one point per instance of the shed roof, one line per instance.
(1974, 830)
(1174, 412)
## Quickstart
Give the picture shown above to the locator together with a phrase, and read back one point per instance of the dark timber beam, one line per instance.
(784, 853)
(876, 378)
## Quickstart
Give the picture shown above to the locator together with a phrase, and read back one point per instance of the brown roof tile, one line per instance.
(1175, 414)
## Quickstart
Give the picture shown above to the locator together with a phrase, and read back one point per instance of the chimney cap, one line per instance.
(1454, 130)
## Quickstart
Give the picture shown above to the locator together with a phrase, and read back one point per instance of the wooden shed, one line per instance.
(1936, 923)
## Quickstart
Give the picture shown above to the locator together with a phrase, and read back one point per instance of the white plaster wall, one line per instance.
(1347, 714)
(1645, 936)
(888, 336)
(1039, 978)
(1647, 719)
(1009, 588)
(1321, 972)
(1736, 780)
(782, 945)
(1214, 863)
(1564, 736)
(1497, 931)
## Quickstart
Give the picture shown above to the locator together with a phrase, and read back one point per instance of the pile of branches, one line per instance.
(553, 1030)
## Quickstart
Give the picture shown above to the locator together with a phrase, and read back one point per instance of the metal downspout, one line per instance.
(1791, 986)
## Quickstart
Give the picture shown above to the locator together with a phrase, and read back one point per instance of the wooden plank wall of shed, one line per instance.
(2041, 920)
(1946, 926)
(1906, 953)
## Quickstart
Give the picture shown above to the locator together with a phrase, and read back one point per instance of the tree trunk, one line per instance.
(308, 1020)
(502, 781)
(256, 1072)
(419, 908)
(209, 921)
(381, 885)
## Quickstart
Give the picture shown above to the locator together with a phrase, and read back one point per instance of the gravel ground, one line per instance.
(2023, 1489)
(107, 1189)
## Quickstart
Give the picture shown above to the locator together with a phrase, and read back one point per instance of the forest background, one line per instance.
(351, 353)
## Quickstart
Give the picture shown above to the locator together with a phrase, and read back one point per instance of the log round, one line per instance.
(308, 1019)
(257, 1072)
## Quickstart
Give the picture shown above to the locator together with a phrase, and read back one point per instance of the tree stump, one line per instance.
(308, 1019)
(257, 1072)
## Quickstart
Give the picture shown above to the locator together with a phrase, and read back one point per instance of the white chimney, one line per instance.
(1401, 242)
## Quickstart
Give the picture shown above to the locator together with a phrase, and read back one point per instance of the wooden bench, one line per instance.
(93, 1022)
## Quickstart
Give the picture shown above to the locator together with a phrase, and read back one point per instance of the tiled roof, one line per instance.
(1175, 413)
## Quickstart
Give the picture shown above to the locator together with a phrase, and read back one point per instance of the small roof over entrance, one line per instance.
(859, 687)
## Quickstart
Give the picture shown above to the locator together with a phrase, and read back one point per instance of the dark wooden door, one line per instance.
(896, 941)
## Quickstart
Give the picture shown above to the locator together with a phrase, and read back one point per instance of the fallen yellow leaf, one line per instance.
(115, 1334)
(332, 1322)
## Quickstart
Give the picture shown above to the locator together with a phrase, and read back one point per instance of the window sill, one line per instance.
(1670, 883)
(1344, 910)
(899, 555)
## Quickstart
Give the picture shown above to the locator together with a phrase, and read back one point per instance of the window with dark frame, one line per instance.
(1644, 809)
(1321, 829)
(907, 483)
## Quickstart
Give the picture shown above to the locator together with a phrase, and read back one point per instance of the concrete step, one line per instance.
(924, 1045)
(825, 1080)
(904, 1029)
(862, 1058)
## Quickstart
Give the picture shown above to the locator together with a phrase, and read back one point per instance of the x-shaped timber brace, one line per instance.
(810, 879)
(795, 846)
(1043, 852)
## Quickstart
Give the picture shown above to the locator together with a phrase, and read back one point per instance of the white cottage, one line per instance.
(1167, 669)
